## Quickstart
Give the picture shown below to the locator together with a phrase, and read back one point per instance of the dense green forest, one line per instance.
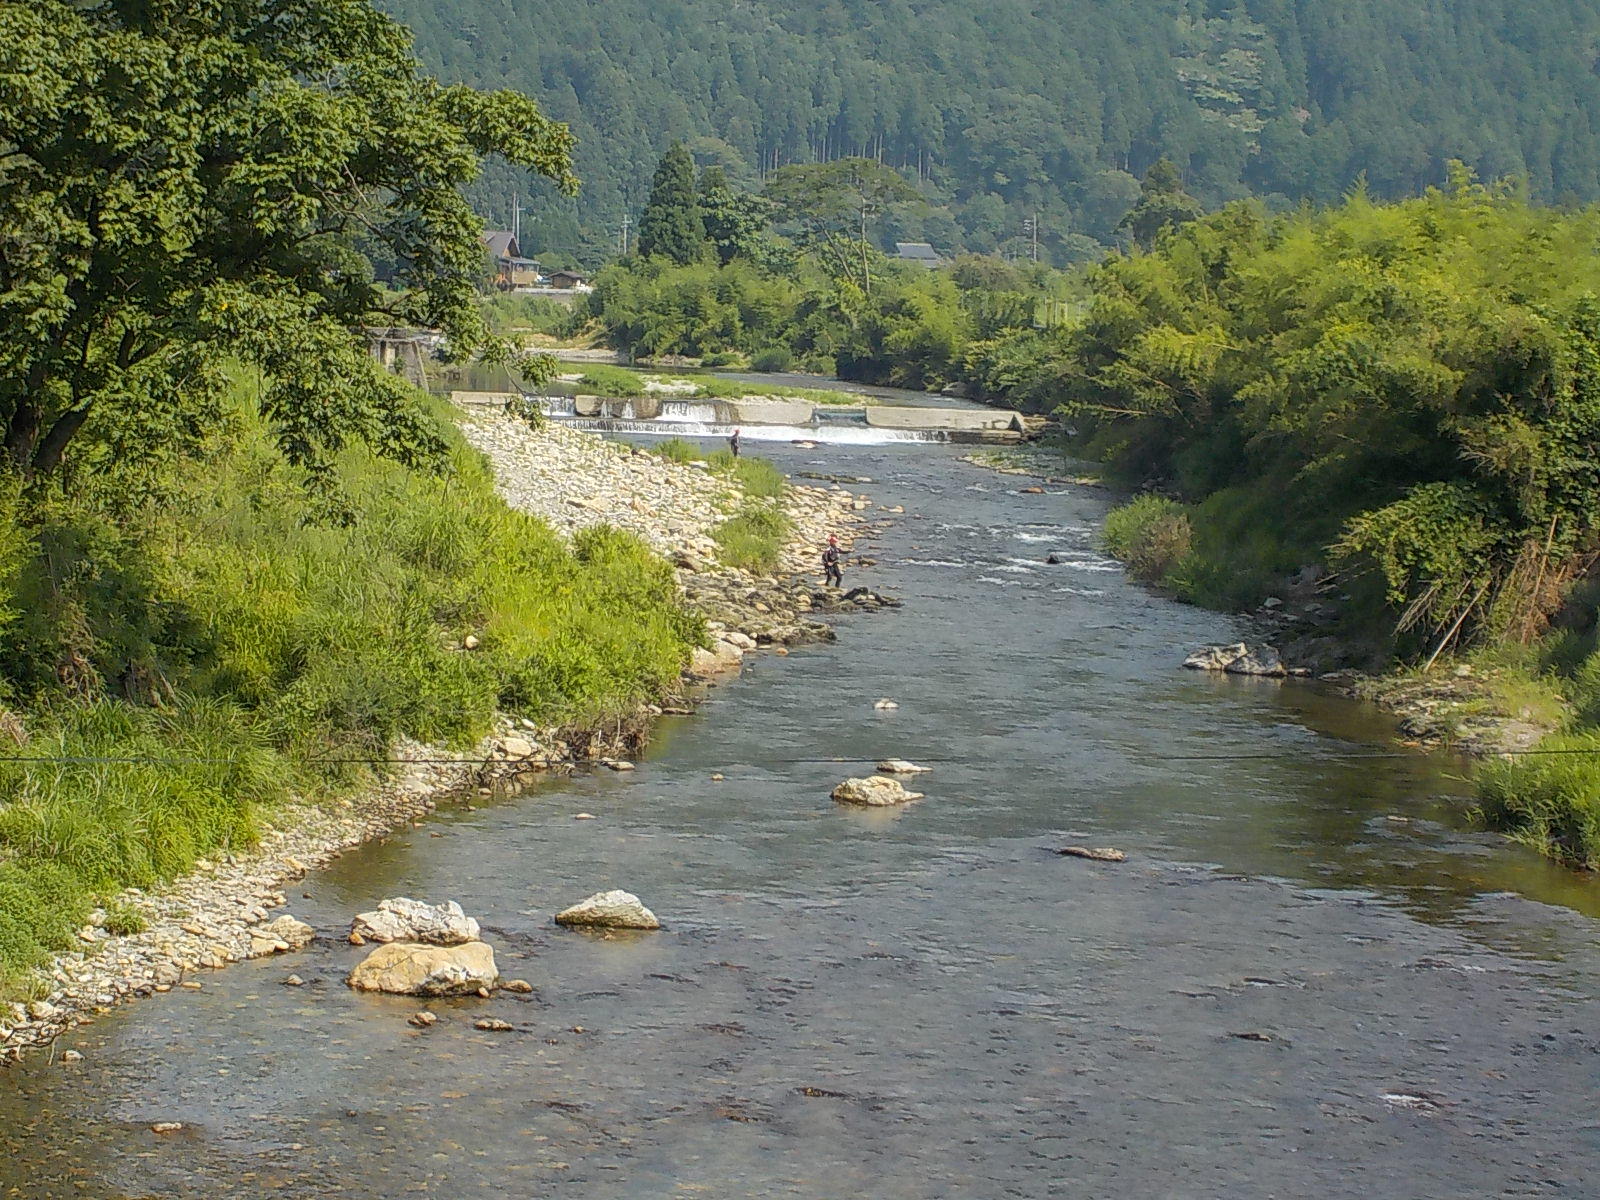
(1010, 108)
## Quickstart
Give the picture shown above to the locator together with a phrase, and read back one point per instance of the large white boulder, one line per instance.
(405, 920)
(408, 969)
(615, 909)
(876, 791)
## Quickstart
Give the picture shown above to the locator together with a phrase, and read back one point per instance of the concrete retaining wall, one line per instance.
(955, 420)
(766, 412)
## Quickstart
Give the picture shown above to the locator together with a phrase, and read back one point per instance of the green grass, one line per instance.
(612, 381)
(1550, 801)
(752, 538)
(232, 641)
(677, 449)
(756, 477)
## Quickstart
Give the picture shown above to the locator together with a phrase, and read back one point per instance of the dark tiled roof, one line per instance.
(921, 252)
(501, 243)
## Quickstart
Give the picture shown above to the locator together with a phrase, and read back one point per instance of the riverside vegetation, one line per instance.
(241, 650)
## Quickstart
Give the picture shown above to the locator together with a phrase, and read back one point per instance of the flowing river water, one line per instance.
(1309, 979)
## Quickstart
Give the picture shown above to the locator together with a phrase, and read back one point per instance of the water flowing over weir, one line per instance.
(1308, 979)
(706, 419)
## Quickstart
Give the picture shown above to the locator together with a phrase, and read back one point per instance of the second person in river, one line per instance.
(733, 441)
(833, 577)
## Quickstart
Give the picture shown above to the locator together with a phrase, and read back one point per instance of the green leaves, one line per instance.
(180, 186)
(1417, 383)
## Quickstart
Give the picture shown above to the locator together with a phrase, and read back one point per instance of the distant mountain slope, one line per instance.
(1014, 106)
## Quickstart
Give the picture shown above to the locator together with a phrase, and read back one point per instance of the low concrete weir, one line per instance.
(985, 422)
(766, 419)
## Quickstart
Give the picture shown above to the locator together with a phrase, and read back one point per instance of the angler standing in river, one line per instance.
(832, 576)
(733, 441)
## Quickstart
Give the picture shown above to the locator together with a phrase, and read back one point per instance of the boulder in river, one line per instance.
(410, 969)
(405, 920)
(1216, 658)
(1238, 659)
(1262, 660)
(899, 766)
(875, 791)
(615, 909)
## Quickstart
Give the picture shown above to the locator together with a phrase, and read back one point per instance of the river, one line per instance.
(927, 1002)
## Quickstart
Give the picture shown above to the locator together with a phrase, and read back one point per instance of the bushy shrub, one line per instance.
(722, 358)
(753, 538)
(1150, 534)
(772, 360)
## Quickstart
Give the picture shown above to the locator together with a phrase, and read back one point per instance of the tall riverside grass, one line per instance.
(233, 623)
(1551, 801)
(753, 537)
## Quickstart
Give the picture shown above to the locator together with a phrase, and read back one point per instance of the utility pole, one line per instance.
(1030, 230)
(625, 223)
(516, 220)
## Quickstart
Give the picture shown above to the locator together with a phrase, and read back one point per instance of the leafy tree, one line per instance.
(1162, 205)
(735, 222)
(834, 206)
(180, 186)
(671, 226)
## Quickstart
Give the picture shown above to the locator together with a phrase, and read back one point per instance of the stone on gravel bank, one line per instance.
(615, 909)
(876, 791)
(274, 937)
(409, 969)
(405, 920)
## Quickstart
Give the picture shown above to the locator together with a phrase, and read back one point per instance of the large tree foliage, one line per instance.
(835, 208)
(1162, 205)
(671, 225)
(182, 185)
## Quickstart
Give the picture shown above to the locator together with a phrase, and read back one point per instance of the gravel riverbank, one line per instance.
(225, 910)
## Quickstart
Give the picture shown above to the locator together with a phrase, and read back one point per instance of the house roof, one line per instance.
(566, 275)
(918, 252)
(501, 243)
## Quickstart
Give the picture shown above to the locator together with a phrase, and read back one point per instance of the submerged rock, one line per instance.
(405, 920)
(876, 791)
(899, 766)
(409, 969)
(1094, 853)
(615, 909)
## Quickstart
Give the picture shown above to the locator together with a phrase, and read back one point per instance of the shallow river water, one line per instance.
(920, 1003)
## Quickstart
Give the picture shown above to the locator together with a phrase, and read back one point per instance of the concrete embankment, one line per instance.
(220, 914)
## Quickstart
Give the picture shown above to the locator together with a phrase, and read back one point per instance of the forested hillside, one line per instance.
(1010, 107)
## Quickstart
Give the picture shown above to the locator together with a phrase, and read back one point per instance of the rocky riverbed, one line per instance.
(225, 911)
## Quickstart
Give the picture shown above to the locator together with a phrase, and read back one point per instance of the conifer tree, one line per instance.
(671, 225)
